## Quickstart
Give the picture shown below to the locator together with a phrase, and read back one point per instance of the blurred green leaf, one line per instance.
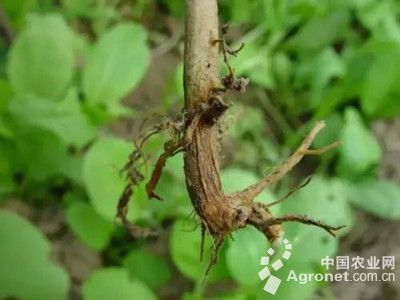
(230, 296)
(5, 94)
(360, 150)
(330, 133)
(381, 18)
(18, 10)
(381, 89)
(378, 197)
(46, 155)
(282, 67)
(318, 200)
(25, 269)
(176, 7)
(245, 11)
(8, 167)
(104, 184)
(358, 61)
(5, 97)
(317, 72)
(234, 180)
(185, 252)
(89, 226)
(148, 267)
(41, 60)
(292, 289)
(103, 16)
(252, 149)
(116, 64)
(244, 254)
(65, 118)
(78, 7)
(5, 130)
(255, 62)
(114, 283)
(320, 32)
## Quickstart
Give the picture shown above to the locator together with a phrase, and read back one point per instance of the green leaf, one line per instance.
(26, 271)
(65, 118)
(381, 20)
(176, 7)
(245, 11)
(360, 150)
(320, 32)
(381, 85)
(80, 8)
(282, 67)
(334, 123)
(89, 226)
(46, 155)
(101, 175)
(114, 283)
(41, 60)
(185, 252)
(376, 196)
(148, 267)
(358, 62)
(243, 255)
(318, 71)
(10, 164)
(5, 130)
(323, 200)
(292, 289)
(5, 94)
(116, 64)
(255, 62)
(17, 11)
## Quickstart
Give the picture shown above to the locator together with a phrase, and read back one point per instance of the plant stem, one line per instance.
(201, 52)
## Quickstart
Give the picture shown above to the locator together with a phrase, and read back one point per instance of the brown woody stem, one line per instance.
(201, 54)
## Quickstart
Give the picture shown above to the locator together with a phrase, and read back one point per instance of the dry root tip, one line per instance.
(320, 150)
(218, 242)
(333, 231)
(153, 195)
(236, 51)
(305, 220)
(203, 236)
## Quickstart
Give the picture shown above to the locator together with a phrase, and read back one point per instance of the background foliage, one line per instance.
(65, 69)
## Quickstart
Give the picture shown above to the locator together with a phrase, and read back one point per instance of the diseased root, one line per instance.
(220, 214)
